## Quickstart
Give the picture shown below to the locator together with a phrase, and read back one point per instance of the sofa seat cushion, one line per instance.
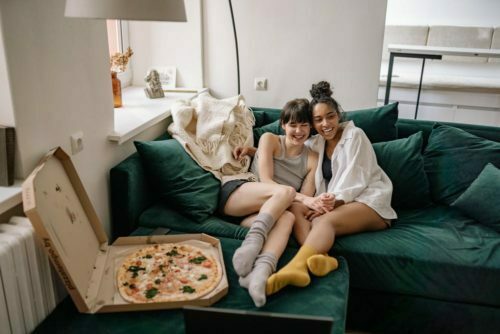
(160, 215)
(435, 253)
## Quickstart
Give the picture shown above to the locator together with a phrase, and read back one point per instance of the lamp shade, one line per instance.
(134, 10)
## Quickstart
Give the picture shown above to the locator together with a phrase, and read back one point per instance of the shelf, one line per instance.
(140, 113)
(10, 196)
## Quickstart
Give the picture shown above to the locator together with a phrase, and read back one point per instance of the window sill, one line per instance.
(140, 113)
(10, 196)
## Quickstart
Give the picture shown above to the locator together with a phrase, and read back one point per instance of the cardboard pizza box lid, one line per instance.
(62, 215)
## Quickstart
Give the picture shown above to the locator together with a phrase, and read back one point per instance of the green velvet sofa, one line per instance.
(437, 269)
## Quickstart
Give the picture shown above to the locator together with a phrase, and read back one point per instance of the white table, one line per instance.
(429, 52)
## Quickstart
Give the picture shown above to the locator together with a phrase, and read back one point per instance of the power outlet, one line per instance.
(260, 84)
(76, 142)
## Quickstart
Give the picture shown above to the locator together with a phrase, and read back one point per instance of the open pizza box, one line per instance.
(62, 215)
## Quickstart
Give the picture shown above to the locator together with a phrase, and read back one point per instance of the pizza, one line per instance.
(167, 273)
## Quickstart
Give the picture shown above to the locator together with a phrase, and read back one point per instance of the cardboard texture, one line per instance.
(60, 210)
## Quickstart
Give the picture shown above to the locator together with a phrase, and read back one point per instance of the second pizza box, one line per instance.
(60, 210)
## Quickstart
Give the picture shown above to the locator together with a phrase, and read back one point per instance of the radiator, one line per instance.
(27, 290)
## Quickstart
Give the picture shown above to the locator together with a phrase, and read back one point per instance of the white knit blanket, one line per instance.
(209, 129)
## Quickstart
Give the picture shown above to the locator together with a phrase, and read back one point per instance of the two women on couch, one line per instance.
(354, 196)
(285, 167)
(347, 170)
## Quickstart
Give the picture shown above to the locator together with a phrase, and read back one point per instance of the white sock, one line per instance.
(244, 257)
(255, 282)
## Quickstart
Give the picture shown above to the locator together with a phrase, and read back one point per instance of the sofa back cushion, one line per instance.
(454, 158)
(407, 127)
(378, 123)
(402, 161)
(178, 180)
(481, 200)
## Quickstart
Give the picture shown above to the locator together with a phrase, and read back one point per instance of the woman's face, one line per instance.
(325, 120)
(296, 133)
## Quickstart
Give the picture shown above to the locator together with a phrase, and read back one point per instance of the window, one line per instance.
(115, 36)
(118, 42)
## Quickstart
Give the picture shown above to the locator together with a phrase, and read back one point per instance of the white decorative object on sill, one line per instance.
(153, 89)
(168, 76)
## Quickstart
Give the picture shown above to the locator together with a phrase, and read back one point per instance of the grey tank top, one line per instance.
(289, 171)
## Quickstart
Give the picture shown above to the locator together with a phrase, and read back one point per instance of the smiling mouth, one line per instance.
(327, 131)
(298, 137)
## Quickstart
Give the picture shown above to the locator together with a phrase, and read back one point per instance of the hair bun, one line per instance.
(321, 89)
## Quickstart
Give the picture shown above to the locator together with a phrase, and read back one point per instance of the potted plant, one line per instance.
(118, 62)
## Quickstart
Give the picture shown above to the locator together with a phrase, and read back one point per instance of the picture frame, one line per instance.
(168, 75)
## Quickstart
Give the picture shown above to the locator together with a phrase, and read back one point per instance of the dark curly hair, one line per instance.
(322, 93)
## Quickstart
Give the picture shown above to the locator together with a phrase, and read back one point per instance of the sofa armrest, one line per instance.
(130, 195)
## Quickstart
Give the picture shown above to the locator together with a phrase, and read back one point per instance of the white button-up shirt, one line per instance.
(356, 176)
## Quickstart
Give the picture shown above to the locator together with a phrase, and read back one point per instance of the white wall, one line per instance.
(484, 13)
(169, 44)
(295, 43)
(60, 84)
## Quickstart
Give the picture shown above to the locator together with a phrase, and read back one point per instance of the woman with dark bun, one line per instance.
(347, 171)
(285, 168)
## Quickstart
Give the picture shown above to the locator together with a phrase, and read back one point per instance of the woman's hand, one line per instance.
(242, 151)
(322, 203)
(328, 201)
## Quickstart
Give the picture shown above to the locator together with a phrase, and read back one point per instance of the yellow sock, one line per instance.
(294, 273)
(321, 264)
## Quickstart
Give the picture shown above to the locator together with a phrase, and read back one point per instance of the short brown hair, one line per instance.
(296, 111)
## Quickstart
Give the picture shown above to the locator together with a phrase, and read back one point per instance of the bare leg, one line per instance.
(302, 226)
(252, 197)
(279, 235)
(266, 262)
(349, 218)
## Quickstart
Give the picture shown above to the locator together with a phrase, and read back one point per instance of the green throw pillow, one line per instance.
(402, 161)
(179, 181)
(273, 127)
(481, 200)
(454, 158)
(379, 124)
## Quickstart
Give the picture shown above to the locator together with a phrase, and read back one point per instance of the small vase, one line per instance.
(117, 90)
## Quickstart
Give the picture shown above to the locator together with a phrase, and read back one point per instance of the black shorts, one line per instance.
(226, 190)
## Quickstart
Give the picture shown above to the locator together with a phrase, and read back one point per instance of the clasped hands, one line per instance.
(319, 205)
